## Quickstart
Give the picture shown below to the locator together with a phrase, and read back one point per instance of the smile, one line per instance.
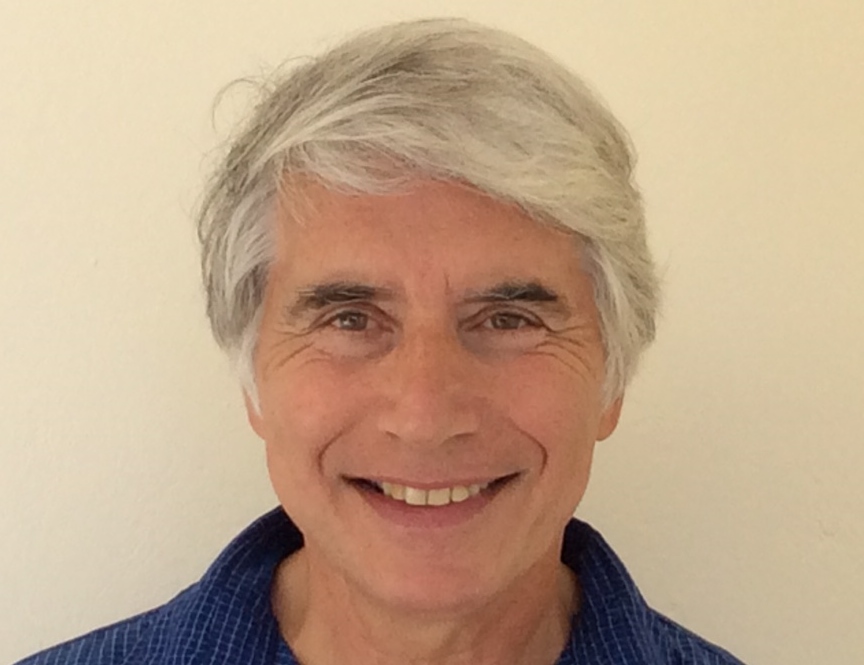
(440, 496)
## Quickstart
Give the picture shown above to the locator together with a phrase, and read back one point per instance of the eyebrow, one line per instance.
(319, 296)
(516, 291)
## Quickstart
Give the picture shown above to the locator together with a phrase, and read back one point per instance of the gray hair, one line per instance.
(446, 99)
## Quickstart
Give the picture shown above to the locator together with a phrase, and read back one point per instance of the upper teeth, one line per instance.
(414, 496)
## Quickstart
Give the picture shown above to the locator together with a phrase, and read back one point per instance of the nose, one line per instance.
(430, 385)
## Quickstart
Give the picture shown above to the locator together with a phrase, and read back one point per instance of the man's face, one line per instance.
(431, 340)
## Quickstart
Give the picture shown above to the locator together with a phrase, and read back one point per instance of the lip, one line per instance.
(404, 516)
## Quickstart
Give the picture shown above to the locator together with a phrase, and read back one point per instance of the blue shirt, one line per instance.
(226, 617)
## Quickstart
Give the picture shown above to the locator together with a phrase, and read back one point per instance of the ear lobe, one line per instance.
(253, 415)
(609, 419)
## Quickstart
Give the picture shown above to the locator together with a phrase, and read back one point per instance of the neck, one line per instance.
(526, 624)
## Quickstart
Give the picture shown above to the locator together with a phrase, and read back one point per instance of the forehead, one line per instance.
(432, 227)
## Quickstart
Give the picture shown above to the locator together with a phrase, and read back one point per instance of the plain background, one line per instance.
(733, 488)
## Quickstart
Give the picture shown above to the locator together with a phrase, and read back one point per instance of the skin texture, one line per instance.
(420, 368)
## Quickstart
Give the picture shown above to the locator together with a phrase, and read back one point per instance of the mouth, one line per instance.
(435, 497)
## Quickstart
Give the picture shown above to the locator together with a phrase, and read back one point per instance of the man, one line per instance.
(426, 256)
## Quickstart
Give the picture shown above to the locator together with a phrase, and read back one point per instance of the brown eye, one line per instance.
(350, 321)
(510, 321)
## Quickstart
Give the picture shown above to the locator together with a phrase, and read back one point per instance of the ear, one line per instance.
(253, 415)
(609, 419)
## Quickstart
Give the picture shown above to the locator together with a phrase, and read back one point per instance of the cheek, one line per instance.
(306, 409)
(299, 400)
(555, 406)
(559, 410)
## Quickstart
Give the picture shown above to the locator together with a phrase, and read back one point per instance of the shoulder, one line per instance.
(122, 642)
(226, 613)
(615, 624)
(144, 638)
(679, 646)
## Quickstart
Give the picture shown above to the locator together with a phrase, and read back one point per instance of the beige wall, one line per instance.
(733, 488)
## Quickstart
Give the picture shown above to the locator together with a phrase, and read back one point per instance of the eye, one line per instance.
(510, 321)
(508, 331)
(354, 332)
(351, 321)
